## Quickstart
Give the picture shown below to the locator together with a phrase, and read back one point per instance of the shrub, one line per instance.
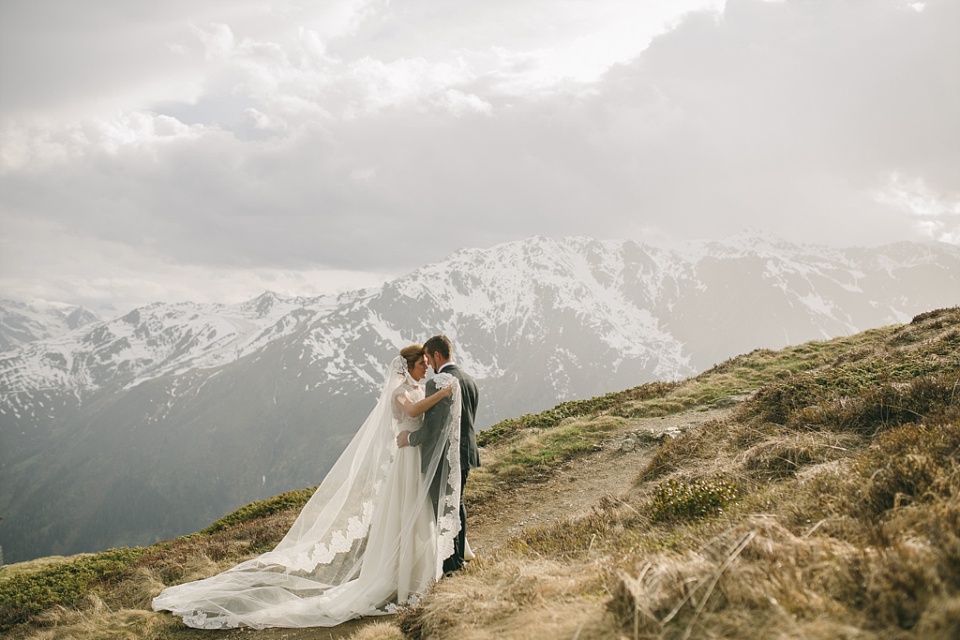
(676, 500)
(908, 465)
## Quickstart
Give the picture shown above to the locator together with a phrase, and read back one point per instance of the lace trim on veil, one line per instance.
(448, 518)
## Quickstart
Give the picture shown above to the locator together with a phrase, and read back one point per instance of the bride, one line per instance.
(371, 536)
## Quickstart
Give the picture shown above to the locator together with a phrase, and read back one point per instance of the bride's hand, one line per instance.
(447, 391)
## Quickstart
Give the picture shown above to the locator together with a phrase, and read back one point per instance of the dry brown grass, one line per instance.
(758, 578)
(93, 621)
(867, 545)
(518, 598)
(728, 581)
(847, 525)
(845, 522)
(378, 631)
(785, 454)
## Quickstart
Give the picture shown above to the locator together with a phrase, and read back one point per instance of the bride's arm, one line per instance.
(414, 409)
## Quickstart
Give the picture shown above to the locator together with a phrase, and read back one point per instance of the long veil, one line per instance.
(316, 575)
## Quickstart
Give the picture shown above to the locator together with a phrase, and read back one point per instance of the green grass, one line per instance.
(536, 455)
(845, 453)
(66, 584)
(620, 404)
(250, 529)
(907, 374)
(838, 507)
(908, 465)
(678, 500)
(284, 502)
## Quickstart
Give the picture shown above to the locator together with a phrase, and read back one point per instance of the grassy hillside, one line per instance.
(822, 502)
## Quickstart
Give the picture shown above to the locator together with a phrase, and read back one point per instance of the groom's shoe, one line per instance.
(451, 568)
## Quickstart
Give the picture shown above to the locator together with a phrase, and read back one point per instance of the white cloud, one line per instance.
(287, 136)
(33, 148)
(142, 128)
(217, 40)
(935, 216)
(364, 175)
(375, 85)
(264, 122)
(112, 277)
(915, 197)
(459, 103)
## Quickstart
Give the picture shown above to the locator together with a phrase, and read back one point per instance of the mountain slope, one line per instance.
(812, 490)
(22, 323)
(149, 425)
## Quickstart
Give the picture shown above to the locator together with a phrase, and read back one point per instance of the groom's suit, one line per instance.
(430, 434)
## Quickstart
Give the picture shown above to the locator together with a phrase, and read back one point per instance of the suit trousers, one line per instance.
(455, 562)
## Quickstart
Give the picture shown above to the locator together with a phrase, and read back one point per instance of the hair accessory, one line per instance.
(399, 366)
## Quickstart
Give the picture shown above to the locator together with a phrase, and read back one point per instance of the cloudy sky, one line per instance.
(209, 150)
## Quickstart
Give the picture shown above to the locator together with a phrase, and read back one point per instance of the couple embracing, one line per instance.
(384, 524)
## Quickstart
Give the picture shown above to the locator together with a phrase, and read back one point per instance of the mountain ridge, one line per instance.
(22, 323)
(276, 379)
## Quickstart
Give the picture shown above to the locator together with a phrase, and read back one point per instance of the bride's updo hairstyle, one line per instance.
(412, 355)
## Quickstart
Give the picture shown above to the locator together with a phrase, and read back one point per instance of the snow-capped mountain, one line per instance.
(150, 342)
(22, 323)
(156, 423)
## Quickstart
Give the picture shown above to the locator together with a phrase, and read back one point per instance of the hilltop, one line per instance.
(811, 492)
(105, 430)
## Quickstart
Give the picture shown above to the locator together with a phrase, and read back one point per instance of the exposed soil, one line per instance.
(570, 490)
(339, 632)
(576, 486)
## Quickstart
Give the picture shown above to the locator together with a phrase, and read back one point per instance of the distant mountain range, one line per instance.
(22, 323)
(125, 431)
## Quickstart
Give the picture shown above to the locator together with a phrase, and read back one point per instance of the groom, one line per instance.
(438, 350)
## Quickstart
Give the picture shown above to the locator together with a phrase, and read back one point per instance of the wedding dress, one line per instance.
(373, 536)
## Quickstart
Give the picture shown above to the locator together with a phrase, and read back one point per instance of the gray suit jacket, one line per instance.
(428, 435)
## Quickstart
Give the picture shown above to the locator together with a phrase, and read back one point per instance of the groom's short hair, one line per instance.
(439, 343)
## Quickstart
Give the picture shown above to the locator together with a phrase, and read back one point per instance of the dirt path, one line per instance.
(340, 632)
(576, 487)
(572, 489)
